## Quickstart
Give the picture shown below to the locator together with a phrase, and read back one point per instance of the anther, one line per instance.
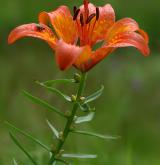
(97, 13)
(39, 28)
(76, 14)
(90, 18)
(81, 20)
(74, 9)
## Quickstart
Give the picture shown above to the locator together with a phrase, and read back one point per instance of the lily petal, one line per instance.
(40, 31)
(105, 21)
(144, 34)
(123, 25)
(67, 54)
(90, 58)
(97, 29)
(62, 21)
(134, 39)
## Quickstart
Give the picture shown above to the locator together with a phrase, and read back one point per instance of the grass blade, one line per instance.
(42, 103)
(22, 148)
(106, 137)
(35, 140)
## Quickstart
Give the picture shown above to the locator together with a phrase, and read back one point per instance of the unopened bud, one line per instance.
(73, 98)
(82, 99)
(77, 77)
(61, 135)
(57, 156)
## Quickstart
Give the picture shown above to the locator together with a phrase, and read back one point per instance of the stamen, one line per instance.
(97, 13)
(76, 14)
(81, 20)
(90, 18)
(39, 28)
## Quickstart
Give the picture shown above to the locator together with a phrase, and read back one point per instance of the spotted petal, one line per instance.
(67, 54)
(98, 29)
(62, 21)
(90, 58)
(144, 34)
(105, 21)
(123, 25)
(40, 31)
(134, 39)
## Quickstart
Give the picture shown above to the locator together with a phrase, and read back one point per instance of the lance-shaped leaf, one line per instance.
(84, 107)
(86, 118)
(63, 81)
(95, 95)
(80, 156)
(22, 148)
(54, 90)
(106, 137)
(55, 132)
(35, 140)
(42, 103)
(14, 161)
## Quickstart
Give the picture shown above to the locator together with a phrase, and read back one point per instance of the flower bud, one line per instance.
(73, 98)
(82, 99)
(61, 136)
(77, 77)
(57, 156)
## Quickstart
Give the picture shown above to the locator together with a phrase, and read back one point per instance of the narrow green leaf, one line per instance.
(52, 82)
(14, 161)
(55, 132)
(95, 95)
(107, 137)
(54, 90)
(86, 118)
(42, 103)
(80, 156)
(35, 140)
(84, 107)
(22, 148)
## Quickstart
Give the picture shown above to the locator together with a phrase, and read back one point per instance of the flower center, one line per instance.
(85, 23)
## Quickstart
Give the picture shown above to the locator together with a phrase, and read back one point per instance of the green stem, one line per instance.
(70, 119)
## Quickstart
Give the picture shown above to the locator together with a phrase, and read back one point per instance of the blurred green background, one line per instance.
(129, 107)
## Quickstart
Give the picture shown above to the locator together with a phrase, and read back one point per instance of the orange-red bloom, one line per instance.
(74, 36)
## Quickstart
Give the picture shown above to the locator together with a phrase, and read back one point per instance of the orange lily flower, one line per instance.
(74, 36)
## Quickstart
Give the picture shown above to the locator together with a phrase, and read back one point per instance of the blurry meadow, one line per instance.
(129, 106)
